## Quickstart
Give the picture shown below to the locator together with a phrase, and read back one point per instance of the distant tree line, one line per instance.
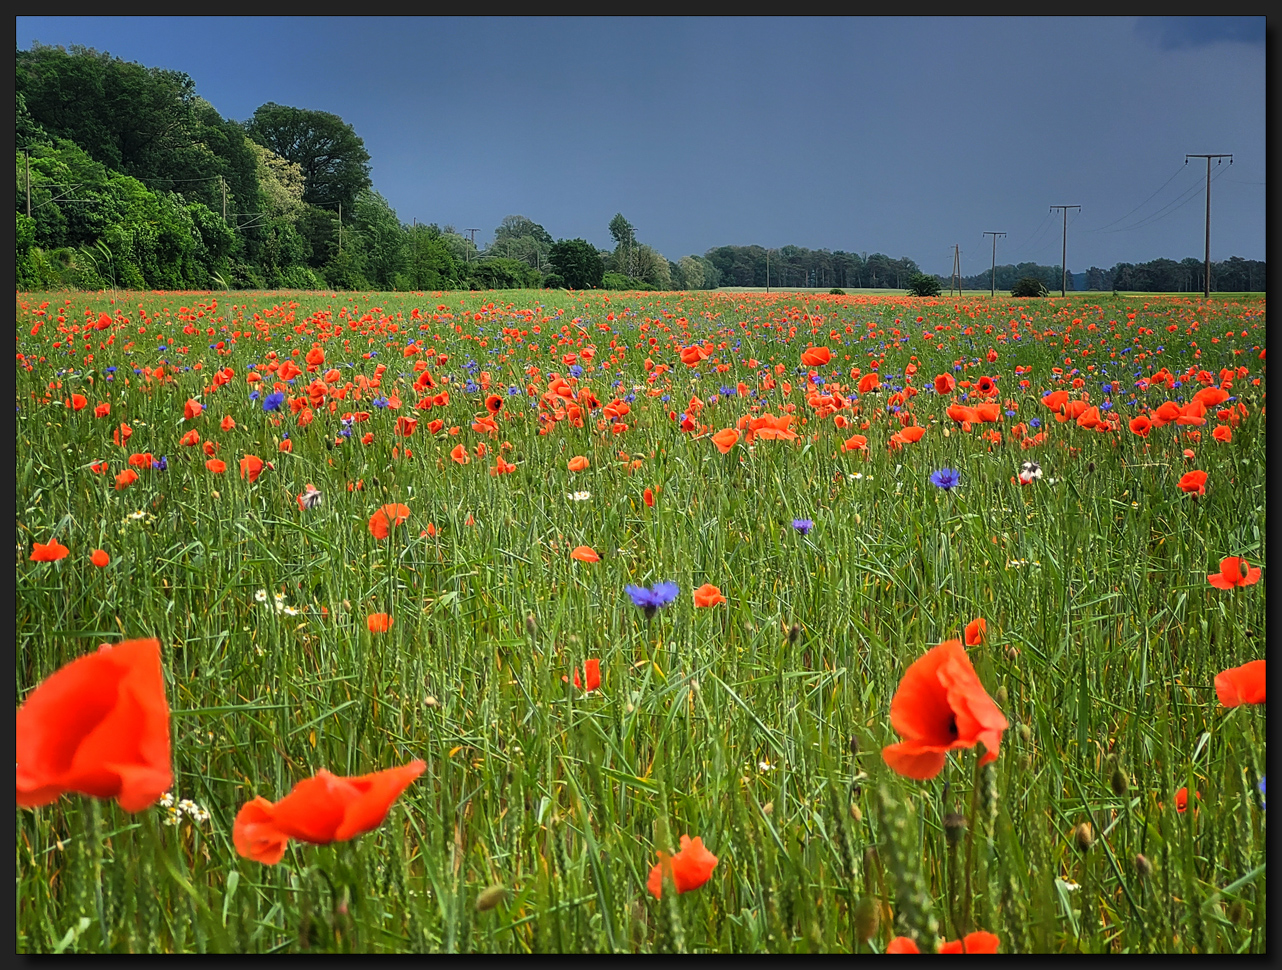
(1233, 275)
(125, 177)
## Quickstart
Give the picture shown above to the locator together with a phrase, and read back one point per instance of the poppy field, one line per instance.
(610, 622)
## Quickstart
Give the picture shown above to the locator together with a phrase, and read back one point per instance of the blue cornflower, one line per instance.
(1261, 787)
(511, 391)
(160, 463)
(379, 402)
(1107, 388)
(273, 401)
(1034, 422)
(471, 387)
(346, 431)
(661, 594)
(253, 395)
(946, 478)
(803, 525)
(576, 370)
(111, 369)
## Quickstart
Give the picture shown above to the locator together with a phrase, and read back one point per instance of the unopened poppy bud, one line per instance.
(867, 916)
(954, 828)
(490, 898)
(1143, 868)
(768, 808)
(531, 625)
(1084, 836)
(1001, 697)
(1090, 467)
(1119, 782)
(431, 702)
(1025, 732)
(794, 633)
(855, 813)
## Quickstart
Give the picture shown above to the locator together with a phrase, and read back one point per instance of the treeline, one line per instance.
(125, 177)
(1233, 275)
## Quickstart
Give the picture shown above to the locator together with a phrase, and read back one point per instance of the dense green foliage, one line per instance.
(1029, 286)
(922, 284)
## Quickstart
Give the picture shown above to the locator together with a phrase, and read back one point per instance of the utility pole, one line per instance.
(992, 280)
(1206, 277)
(1063, 259)
(956, 277)
(28, 157)
(468, 252)
(767, 270)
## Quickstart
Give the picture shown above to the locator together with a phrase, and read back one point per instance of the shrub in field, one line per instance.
(923, 284)
(1029, 286)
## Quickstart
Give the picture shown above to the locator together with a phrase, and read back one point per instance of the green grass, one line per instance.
(1104, 637)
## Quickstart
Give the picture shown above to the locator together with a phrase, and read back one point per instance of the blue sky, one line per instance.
(882, 134)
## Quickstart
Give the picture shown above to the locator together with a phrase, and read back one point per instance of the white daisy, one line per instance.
(261, 596)
(579, 496)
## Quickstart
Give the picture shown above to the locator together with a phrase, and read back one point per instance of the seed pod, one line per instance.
(768, 808)
(1002, 697)
(531, 625)
(1084, 836)
(867, 916)
(489, 898)
(1119, 782)
(954, 828)
(1025, 732)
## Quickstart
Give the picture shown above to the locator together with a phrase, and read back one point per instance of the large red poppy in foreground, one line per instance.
(941, 706)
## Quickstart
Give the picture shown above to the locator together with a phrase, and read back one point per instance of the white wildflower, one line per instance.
(579, 496)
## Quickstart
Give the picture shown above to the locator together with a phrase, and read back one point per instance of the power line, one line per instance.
(993, 278)
(1182, 168)
(1063, 260)
(1206, 278)
(1188, 196)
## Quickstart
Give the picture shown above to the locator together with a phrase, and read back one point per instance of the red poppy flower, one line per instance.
(816, 356)
(977, 942)
(251, 466)
(708, 595)
(99, 558)
(141, 459)
(856, 442)
(911, 433)
(725, 440)
(691, 867)
(227, 423)
(51, 551)
(577, 464)
(1222, 433)
(976, 632)
(323, 809)
(98, 726)
(648, 497)
(286, 446)
(190, 439)
(584, 554)
(1182, 800)
(941, 706)
(869, 382)
(216, 465)
(1194, 482)
(102, 410)
(79, 402)
(387, 518)
(1140, 425)
(192, 409)
(1241, 685)
(405, 426)
(944, 383)
(378, 622)
(1234, 572)
(902, 944)
(126, 478)
(121, 434)
(591, 675)
(494, 404)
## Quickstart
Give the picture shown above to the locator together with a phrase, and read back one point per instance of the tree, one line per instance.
(577, 262)
(652, 268)
(383, 240)
(922, 284)
(625, 235)
(333, 157)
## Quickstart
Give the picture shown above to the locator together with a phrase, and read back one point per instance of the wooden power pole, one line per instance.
(1206, 276)
(1063, 259)
(992, 279)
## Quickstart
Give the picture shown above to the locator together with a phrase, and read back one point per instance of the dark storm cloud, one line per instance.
(1174, 33)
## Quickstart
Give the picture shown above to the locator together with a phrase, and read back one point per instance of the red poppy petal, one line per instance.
(920, 707)
(915, 760)
(255, 834)
(377, 793)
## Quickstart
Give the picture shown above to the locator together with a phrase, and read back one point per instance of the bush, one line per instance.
(1029, 286)
(923, 284)
(836, 291)
(618, 281)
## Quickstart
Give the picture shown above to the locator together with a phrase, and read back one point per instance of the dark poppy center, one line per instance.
(952, 725)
